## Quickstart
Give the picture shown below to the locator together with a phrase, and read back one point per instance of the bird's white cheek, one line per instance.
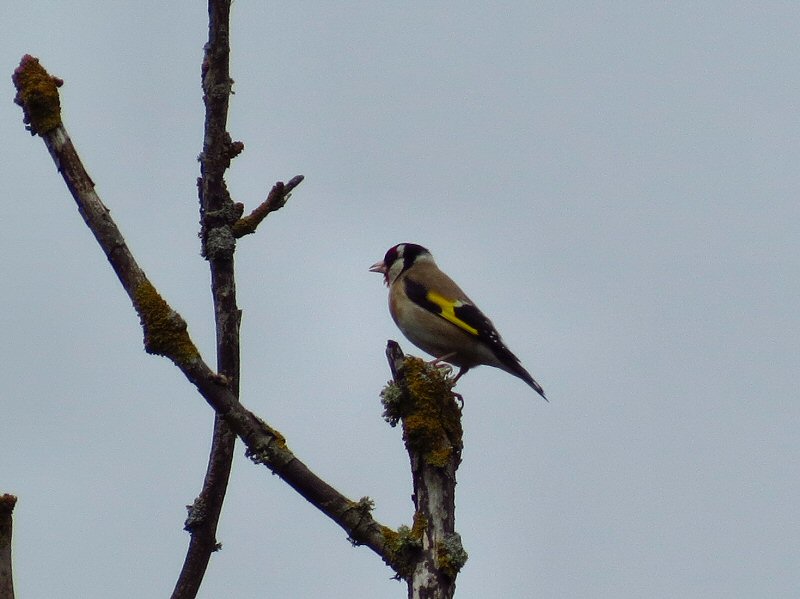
(394, 271)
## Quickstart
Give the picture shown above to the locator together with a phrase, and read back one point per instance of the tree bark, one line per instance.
(7, 503)
(431, 419)
(217, 216)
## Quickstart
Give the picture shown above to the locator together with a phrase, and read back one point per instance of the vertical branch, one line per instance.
(432, 433)
(7, 503)
(217, 215)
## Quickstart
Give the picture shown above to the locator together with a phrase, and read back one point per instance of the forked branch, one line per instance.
(165, 332)
(218, 150)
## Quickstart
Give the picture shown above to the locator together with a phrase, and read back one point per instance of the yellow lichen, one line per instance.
(440, 456)
(165, 331)
(244, 226)
(390, 537)
(431, 418)
(419, 526)
(37, 94)
(279, 439)
(403, 546)
(450, 555)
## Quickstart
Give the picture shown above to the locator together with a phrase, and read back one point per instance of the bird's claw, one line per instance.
(445, 369)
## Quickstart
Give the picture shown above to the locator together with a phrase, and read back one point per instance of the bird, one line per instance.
(439, 318)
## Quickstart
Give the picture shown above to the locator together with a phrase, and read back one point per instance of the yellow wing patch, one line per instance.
(448, 311)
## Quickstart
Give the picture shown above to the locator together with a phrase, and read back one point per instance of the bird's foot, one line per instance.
(439, 363)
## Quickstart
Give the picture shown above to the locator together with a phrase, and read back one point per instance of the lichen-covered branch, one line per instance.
(166, 332)
(7, 503)
(421, 398)
(37, 94)
(217, 213)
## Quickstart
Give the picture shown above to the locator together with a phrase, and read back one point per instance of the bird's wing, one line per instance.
(460, 312)
(467, 317)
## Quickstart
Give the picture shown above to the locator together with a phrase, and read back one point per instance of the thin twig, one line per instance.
(276, 199)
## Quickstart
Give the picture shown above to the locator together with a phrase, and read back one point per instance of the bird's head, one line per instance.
(398, 259)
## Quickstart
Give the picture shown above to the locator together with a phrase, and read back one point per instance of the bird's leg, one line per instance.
(458, 397)
(461, 372)
(435, 361)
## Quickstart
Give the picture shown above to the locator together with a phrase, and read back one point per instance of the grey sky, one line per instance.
(616, 187)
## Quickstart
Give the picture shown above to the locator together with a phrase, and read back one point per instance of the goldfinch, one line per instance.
(436, 316)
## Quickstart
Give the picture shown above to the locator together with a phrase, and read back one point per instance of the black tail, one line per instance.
(519, 371)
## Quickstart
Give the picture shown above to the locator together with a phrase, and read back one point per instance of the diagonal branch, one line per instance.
(165, 332)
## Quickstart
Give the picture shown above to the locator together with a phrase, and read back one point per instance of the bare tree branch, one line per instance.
(423, 400)
(165, 332)
(276, 199)
(218, 150)
(203, 514)
(7, 503)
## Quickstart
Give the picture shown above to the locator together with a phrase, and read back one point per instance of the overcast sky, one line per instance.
(615, 185)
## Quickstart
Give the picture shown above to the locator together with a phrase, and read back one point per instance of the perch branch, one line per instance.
(423, 401)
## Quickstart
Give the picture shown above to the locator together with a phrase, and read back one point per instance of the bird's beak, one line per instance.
(381, 268)
(378, 267)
